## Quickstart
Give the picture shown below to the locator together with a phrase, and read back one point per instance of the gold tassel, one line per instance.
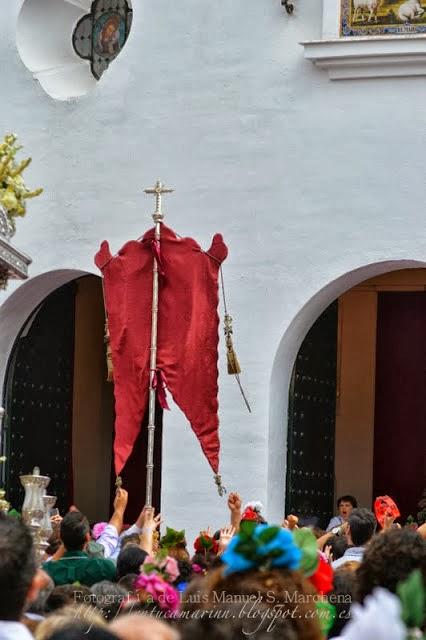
(110, 368)
(233, 364)
(218, 482)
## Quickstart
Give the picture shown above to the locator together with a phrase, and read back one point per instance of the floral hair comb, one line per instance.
(261, 546)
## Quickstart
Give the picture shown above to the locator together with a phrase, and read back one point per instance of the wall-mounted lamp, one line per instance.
(288, 5)
(13, 263)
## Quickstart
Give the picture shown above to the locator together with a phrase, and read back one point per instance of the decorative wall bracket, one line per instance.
(288, 6)
(13, 263)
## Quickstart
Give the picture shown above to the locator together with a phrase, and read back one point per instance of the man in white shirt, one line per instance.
(112, 535)
(20, 581)
(345, 504)
(360, 529)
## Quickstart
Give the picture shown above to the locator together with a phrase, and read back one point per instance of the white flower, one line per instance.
(378, 619)
(255, 505)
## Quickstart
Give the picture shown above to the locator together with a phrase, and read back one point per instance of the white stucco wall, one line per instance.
(307, 180)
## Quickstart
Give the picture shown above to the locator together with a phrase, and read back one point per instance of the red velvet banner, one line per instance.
(187, 333)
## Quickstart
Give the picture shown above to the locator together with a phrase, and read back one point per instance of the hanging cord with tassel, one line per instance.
(233, 364)
(110, 368)
(220, 488)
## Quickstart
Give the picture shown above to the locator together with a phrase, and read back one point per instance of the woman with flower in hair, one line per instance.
(174, 543)
(264, 567)
(154, 586)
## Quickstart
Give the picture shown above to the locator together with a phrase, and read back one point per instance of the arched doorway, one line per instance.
(357, 402)
(59, 405)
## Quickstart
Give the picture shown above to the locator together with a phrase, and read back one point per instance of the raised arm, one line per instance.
(234, 506)
(120, 504)
(322, 541)
(148, 522)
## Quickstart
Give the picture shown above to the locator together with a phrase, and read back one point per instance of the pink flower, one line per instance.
(160, 591)
(197, 569)
(98, 529)
(171, 568)
(167, 566)
(150, 560)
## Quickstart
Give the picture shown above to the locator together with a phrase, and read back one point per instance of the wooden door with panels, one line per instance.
(375, 359)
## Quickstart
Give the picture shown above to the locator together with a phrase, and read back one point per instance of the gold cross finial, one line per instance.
(158, 191)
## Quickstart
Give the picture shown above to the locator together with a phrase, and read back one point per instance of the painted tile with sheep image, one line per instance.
(382, 17)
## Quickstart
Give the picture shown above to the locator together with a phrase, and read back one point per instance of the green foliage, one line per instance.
(14, 514)
(149, 567)
(249, 546)
(326, 614)
(306, 541)
(421, 515)
(172, 537)
(413, 599)
(267, 535)
(206, 543)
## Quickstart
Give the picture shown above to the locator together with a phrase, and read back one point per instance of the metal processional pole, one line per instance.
(158, 217)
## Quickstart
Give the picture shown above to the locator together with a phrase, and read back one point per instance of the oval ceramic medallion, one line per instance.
(100, 35)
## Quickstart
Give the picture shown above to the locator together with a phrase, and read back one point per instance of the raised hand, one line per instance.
(388, 523)
(120, 504)
(207, 533)
(328, 553)
(235, 506)
(56, 521)
(148, 517)
(149, 522)
(226, 534)
(120, 500)
(291, 522)
(157, 521)
(234, 502)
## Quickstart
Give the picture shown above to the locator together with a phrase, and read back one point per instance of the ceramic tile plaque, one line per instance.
(382, 17)
(101, 35)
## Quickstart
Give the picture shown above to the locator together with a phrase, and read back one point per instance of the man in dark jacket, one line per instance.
(76, 565)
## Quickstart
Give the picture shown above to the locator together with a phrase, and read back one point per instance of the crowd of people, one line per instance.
(358, 579)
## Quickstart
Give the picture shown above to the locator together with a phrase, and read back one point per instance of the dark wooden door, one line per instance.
(400, 410)
(311, 422)
(38, 399)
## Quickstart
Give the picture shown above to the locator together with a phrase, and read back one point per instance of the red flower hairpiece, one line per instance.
(206, 544)
(322, 579)
(250, 514)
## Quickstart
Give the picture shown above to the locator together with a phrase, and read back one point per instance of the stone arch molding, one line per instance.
(283, 366)
(19, 306)
(57, 55)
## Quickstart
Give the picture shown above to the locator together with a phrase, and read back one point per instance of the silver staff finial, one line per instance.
(158, 191)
